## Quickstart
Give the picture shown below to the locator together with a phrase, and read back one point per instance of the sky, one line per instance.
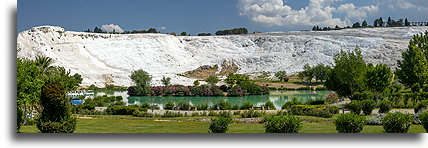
(208, 16)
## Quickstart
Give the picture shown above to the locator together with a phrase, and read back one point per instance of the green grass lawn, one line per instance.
(130, 124)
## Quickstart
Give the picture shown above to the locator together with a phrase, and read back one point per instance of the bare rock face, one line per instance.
(110, 58)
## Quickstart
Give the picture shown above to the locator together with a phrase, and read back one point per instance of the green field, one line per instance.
(130, 124)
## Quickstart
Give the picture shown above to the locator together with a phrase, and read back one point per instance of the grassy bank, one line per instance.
(129, 124)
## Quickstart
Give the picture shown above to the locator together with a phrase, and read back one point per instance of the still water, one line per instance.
(278, 98)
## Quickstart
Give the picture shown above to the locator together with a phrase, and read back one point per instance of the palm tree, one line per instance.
(44, 63)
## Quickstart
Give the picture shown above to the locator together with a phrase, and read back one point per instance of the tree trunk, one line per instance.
(377, 97)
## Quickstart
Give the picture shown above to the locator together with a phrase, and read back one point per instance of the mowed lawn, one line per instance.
(129, 124)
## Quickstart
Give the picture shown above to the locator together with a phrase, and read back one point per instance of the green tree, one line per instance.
(412, 70)
(281, 75)
(406, 22)
(196, 82)
(44, 63)
(142, 81)
(56, 116)
(60, 75)
(348, 73)
(320, 72)
(378, 78)
(29, 84)
(212, 80)
(308, 73)
(166, 81)
(183, 34)
(364, 24)
(234, 79)
(356, 25)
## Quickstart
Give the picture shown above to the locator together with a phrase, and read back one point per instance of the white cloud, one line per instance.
(111, 28)
(359, 13)
(162, 28)
(317, 12)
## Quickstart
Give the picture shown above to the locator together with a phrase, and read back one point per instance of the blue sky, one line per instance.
(195, 16)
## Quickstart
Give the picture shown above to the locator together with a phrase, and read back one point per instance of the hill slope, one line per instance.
(110, 58)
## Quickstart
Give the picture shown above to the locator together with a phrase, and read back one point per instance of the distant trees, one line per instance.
(356, 25)
(412, 70)
(166, 81)
(212, 80)
(98, 30)
(281, 75)
(364, 24)
(232, 31)
(183, 34)
(319, 72)
(204, 34)
(378, 22)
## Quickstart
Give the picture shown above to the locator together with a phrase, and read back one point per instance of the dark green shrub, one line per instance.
(318, 101)
(251, 88)
(385, 106)
(222, 105)
(355, 106)
(212, 113)
(396, 122)
(349, 123)
(226, 114)
(282, 124)
(423, 117)
(235, 91)
(20, 118)
(251, 114)
(169, 105)
(368, 106)
(421, 105)
(219, 125)
(363, 95)
(235, 107)
(138, 113)
(203, 106)
(269, 105)
(247, 105)
(172, 114)
(123, 110)
(145, 105)
(63, 126)
(237, 112)
(56, 114)
(325, 111)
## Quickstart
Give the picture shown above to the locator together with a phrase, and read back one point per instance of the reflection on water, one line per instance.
(277, 97)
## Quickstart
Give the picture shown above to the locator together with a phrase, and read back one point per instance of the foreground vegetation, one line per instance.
(130, 124)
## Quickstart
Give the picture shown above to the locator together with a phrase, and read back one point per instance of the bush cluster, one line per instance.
(56, 116)
(123, 110)
(282, 124)
(251, 114)
(367, 106)
(354, 106)
(325, 111)
(423, 117)
(385, 106)
(349, 123)
(421, 105)
(396, 122)
(219, 125)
